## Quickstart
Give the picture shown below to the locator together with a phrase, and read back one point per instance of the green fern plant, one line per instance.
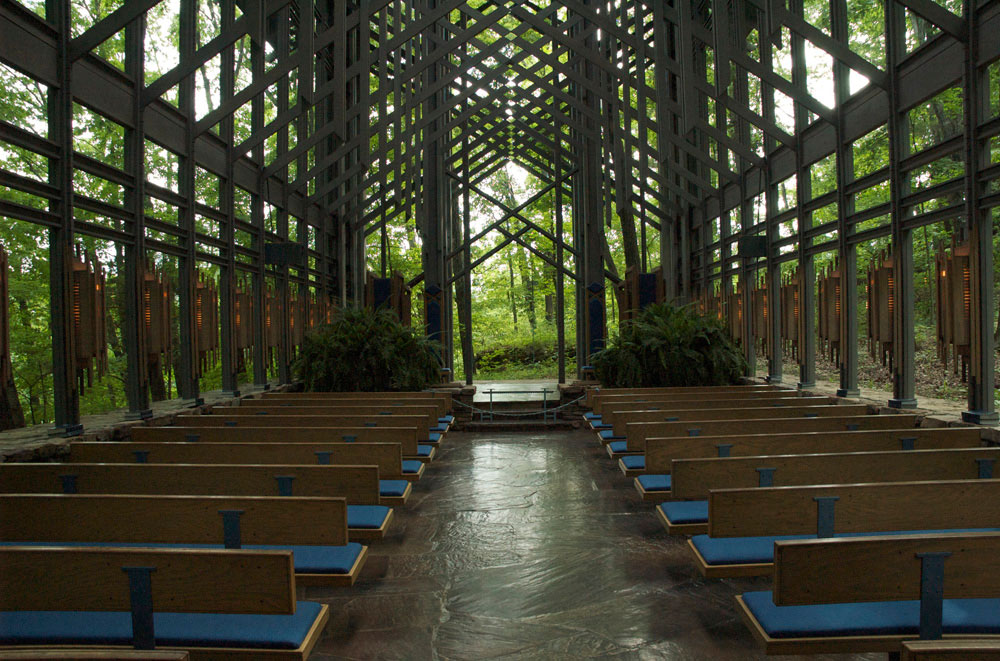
(669, 345)
(366, 350)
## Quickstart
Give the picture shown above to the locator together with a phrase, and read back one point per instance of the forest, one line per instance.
(514, 291)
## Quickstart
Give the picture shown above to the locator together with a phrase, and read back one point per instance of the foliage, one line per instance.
(366, 350)
(668, 345)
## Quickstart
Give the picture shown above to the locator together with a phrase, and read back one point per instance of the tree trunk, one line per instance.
(157, 388)
(510, 292)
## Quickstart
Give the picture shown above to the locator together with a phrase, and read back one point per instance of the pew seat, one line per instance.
(653, 487)
(368, 522)
(394, 490)
(413, 469)
(880, 618)
(684, 517)
(632, 465)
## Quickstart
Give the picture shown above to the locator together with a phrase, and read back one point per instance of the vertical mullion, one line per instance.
(134, 326)
(66, 396)
(187, 372)
(227, 279)
(982, 406)
(803, 185)
(903, 387)
(258, 34)
(845, 208)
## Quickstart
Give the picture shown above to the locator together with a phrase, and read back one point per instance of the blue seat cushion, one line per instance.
(633, 461)
(307, 559)
(412, 465)
(392, 488)
(618, 446)
(600, 426)
(685, 511)
(656, 482)
(366, 516)
(440, 428)
(609, 434)
(433, 437)
(755, 550)
(424, 450)
(447, 419)
(592, 416)
(879, 618)
(172, 629)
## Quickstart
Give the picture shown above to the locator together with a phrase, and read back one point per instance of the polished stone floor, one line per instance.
(530, 546)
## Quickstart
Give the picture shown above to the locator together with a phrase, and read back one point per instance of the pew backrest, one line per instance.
(844, 508)
(387, 456)
(661, 453)
(183, 580)
(172, 519)
(383, 413)
(883, 568)
(623, 418)
(358, 484)
(329, 422)
(407, 437)
(695, 478)
(637, 432)
(594, 394)
(612, 413)
(603, 404)
(441, 406)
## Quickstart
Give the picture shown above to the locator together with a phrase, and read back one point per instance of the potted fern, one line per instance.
(366, 350)
(669, 345)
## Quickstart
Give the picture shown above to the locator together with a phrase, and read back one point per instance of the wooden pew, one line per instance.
(842, 595)
(262, 408)
(662, 452)
(367, 520)
(614, 414)
(594, 394)
(602, 404)
(384, 455)
(254, 589)
(335, 424)
(744, 413)
(637, 432)
(950, 650)
(406, 437)
(757, 516)
(316, 526)
(442, 403)
(693, 479)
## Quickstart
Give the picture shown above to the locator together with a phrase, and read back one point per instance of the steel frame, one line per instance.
(657, 117)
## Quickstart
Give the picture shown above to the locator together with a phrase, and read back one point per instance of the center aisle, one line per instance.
(522, 545)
